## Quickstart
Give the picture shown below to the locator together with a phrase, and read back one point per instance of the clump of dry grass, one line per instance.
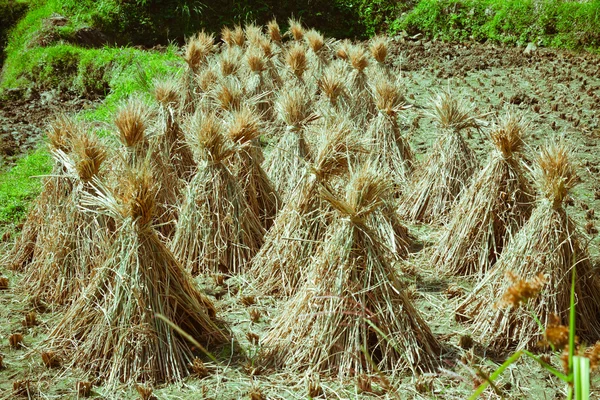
(286, 161)
(217, 230)
(72, 241)
(492, 210)
(353, 299)
(296, 30)
(111, 330)
(235, 37)
(547, 246)
(343, 49)
(448, 168)
(391, 151)
(243, 128)
(332, 85)
(132, 122)
(228, 94)
(279, 266)
(379, 49)
(253, 34)
(230, 61)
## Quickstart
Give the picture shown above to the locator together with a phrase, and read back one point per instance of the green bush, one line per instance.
(10, 12)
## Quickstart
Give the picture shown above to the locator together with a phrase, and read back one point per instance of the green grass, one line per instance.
(20, 185)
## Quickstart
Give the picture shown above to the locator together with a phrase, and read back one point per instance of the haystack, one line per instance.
(448, 169)
(492, 210)
(287, 160)
(111, 331)
(358, 85)
(353, 315)
(217, 230)
(280, 265)
(318, 58)
(197, 51)
(334, 95)
(172, 141)
(72, 245)
(55, 190)
(546, 250)
(140, 144)
(243, 128)
(391, 151)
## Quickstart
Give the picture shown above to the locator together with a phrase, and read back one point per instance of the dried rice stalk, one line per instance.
(286, 165)
(274, 31)
(296, 29)
(111, 330)
(495, 206)
(217, 231)
(243, 128)
(55, 190)
(230, 61)
(449, 167)
(351, 288)
(71, 247)
(548, 245)
(296, 60)
(253, 34)
(198, 49)
(298, 230)
(391, 152)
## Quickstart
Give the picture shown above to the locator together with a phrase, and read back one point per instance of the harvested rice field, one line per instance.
(293, 216)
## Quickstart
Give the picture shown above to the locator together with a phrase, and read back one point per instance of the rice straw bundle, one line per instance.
(296, 61)
(358, 82)
(545, 250)
(197, 50)
(243, 128)
(176, 149)
(449, 167)
(297, 233)
(253, 34)
(317, 56)
(343, 49)
(55, 190)
(353, 300)
(391, 151)
(230, 61)
(73, 241)
(228, 94)
(379, 50)
(133, 123)
(295, 29)
(111, 330)
(286, 162)
(217, 230)
(233, 37)
(274, 31)
(257, 82)
(495, 206)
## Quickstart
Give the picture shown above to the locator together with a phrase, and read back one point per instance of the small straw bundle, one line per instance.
(379, 50)
(297, 233)
(297, 61)
(56, 189)
(198, 49)
(111, 330)
(492, 209)
(545, 250)
(73, 241)
(243, 128)
(317, 56)
(172, 142)
(449, 167)
(286, 162)
(391, 151)
(274, 31)
(295, 29)
(353, 315)
(358, 82)
(133, 123)
(217, 230)
(230, 61)
(334, 94)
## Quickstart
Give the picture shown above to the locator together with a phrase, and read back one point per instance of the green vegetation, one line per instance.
(10, 12)
(19, 186)
(555, 23)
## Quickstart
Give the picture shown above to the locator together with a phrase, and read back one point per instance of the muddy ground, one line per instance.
(560, 94)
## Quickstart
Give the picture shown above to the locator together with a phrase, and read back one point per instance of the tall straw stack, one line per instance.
(243, 128)
(541, 256)
(492, 209)
(280, 265)
(217, 231)
(353, 306)
(72, 246)
(391, 151)
(111, 331)
(56, 189)
(449, 167)
(286, 162)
